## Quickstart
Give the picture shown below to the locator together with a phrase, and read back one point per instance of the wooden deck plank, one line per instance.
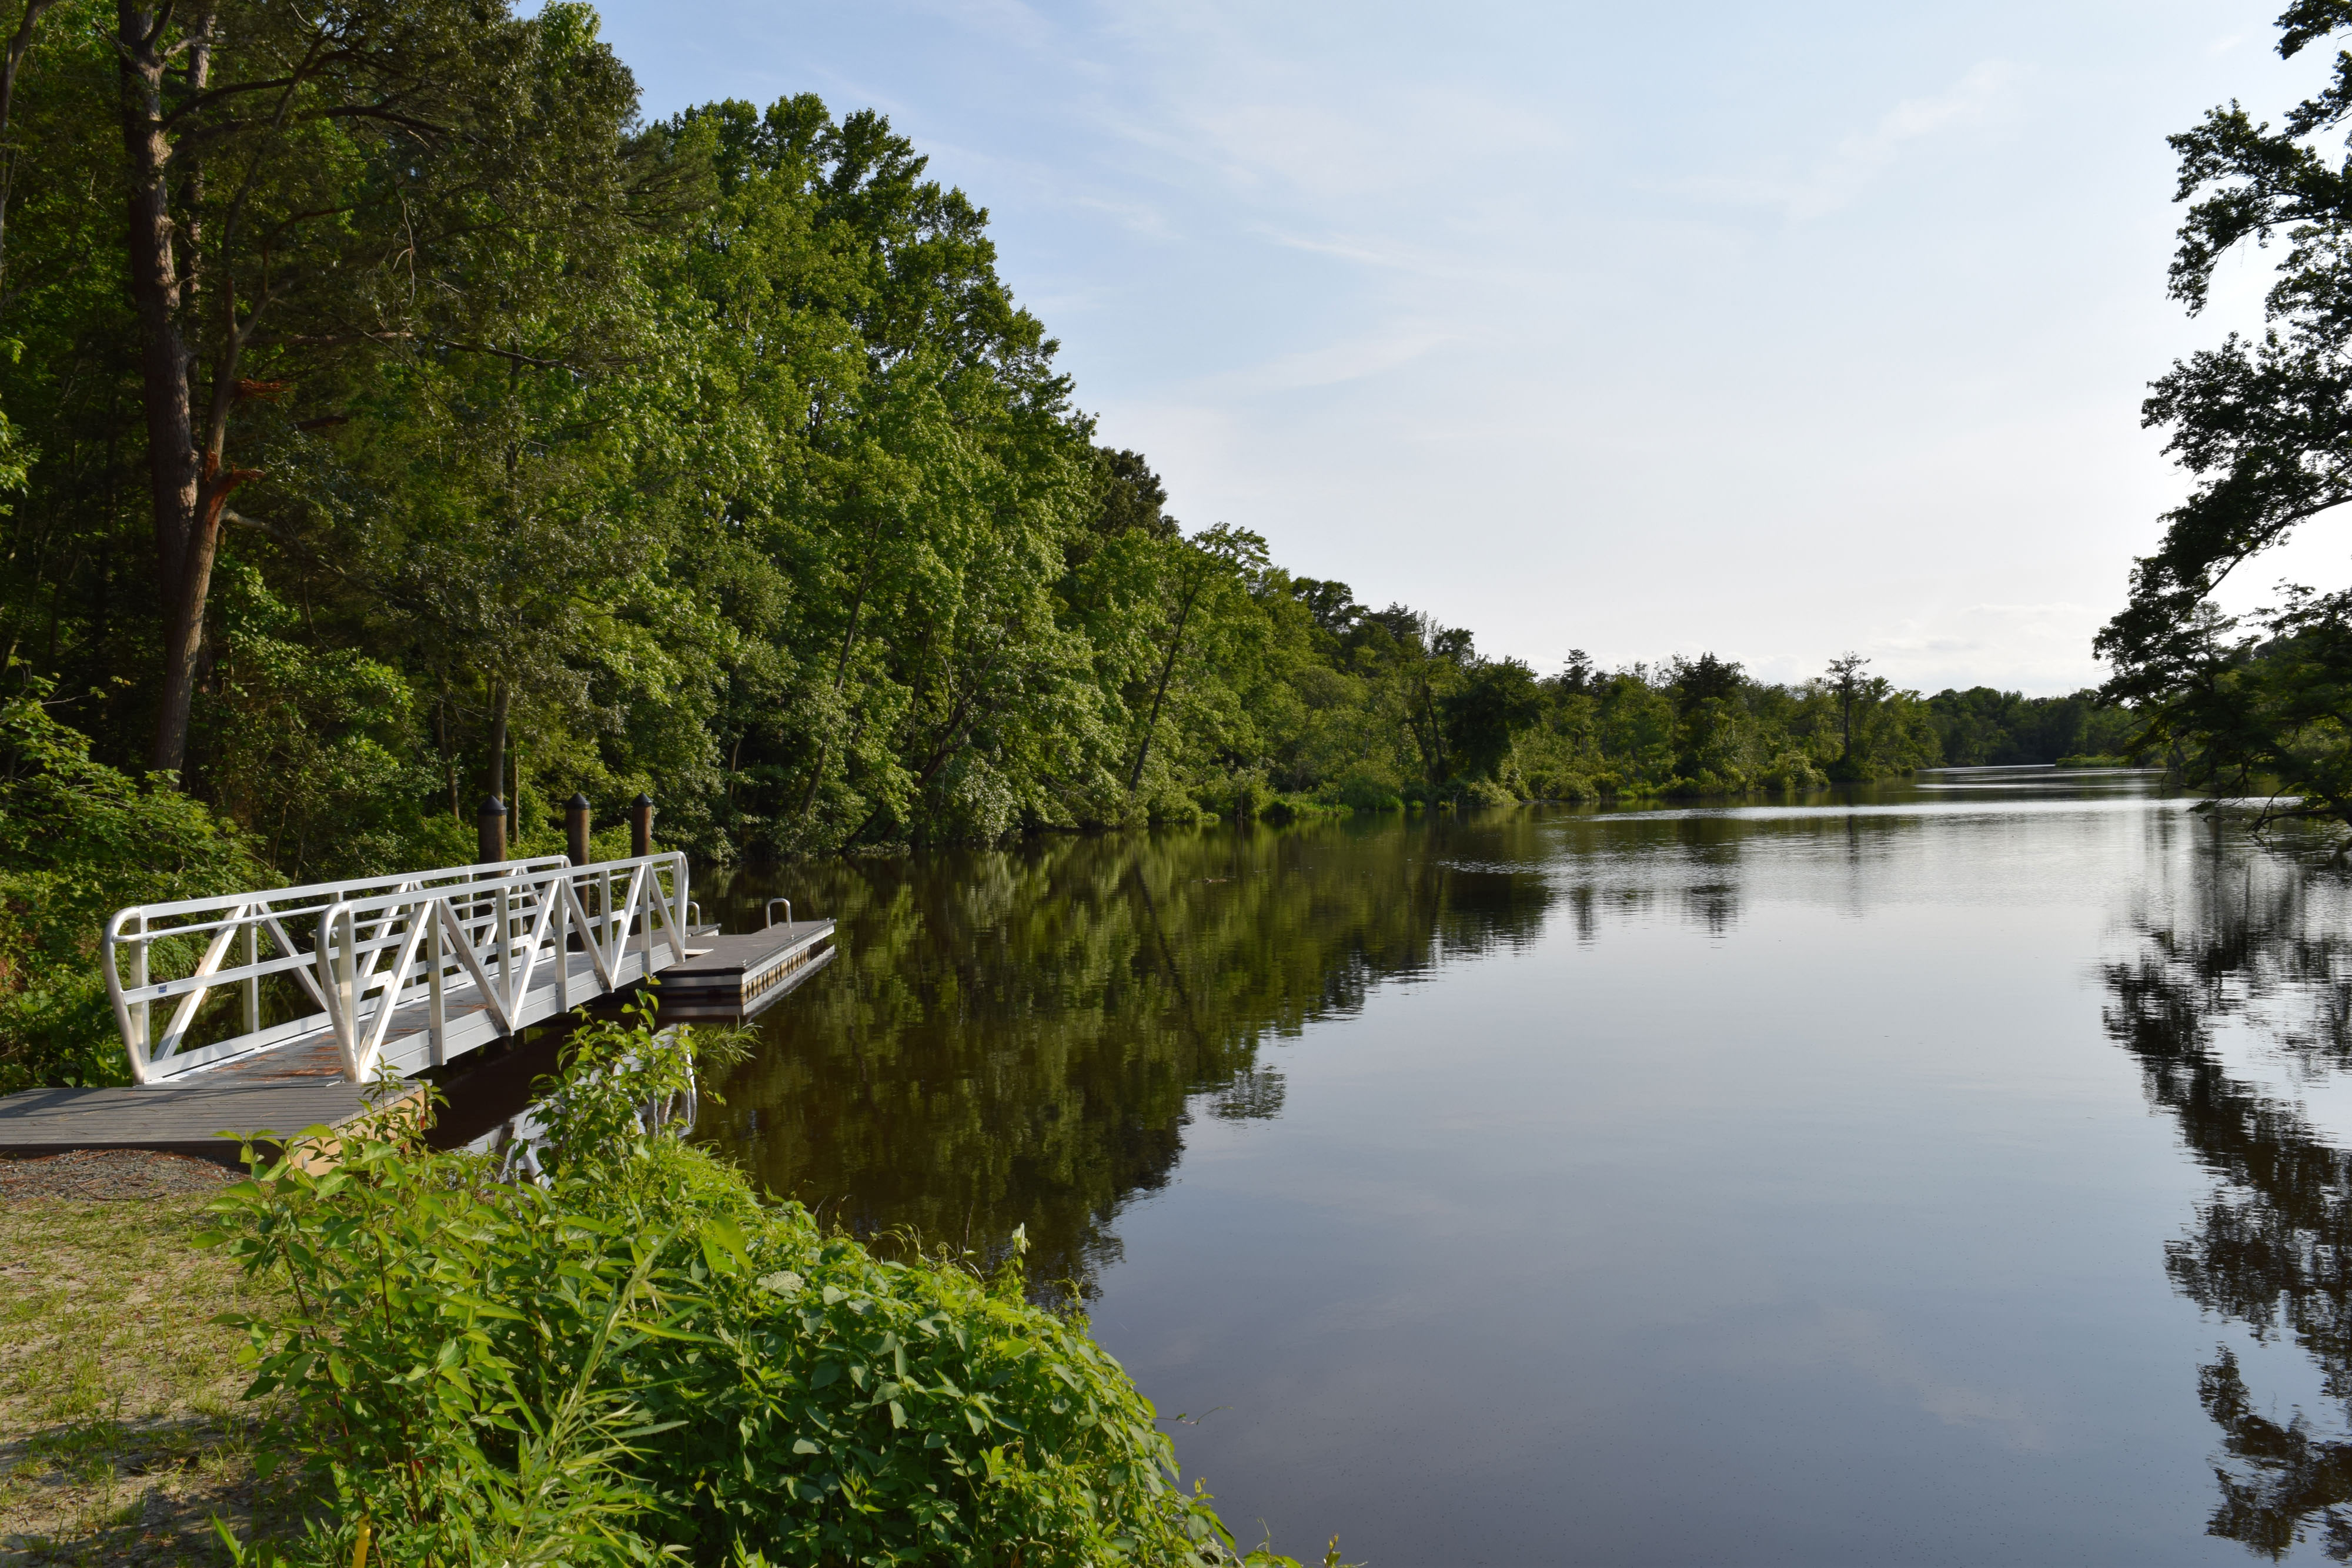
(747, 951)
(185, 1119)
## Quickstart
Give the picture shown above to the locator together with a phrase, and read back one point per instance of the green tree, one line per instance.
(1496, 701)
(1215, 560)
(2264, 428)
(1853, 689)
(304, 188)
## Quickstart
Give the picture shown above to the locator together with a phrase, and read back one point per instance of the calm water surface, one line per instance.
(1957, 1174)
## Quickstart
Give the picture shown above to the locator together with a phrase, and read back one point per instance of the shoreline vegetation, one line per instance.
(79, 839)
(632, 1360)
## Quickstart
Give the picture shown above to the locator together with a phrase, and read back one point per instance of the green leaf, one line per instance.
(722, 1245)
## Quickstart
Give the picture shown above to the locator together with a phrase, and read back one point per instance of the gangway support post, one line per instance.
(490, 828)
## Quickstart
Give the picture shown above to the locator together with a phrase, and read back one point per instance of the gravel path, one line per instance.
(109, 1174)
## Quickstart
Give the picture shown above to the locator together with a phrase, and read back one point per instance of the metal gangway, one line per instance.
(378, 977)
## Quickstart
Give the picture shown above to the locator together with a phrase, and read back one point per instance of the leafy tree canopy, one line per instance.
(2264, 428)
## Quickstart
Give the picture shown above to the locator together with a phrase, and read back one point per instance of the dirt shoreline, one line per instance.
(107, 1175)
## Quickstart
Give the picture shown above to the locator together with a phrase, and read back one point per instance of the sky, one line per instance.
(1773, 331)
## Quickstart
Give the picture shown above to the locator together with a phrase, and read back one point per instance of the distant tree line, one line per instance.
(1982, 728)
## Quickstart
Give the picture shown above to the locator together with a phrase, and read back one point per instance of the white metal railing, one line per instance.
(382, 944)
(497, 933)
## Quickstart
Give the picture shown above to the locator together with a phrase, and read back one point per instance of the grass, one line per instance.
(121, 1432)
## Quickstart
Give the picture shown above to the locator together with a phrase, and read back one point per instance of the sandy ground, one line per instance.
(123, 1432)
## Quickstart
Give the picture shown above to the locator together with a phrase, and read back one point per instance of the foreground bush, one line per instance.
(77, 842)
(635, 1359)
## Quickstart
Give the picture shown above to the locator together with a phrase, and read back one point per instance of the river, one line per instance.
(1951, 1172)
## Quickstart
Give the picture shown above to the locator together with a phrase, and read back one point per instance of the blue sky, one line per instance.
(1773, 331)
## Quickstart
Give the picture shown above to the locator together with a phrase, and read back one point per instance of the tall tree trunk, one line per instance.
(183, 560)
(19, 44)
(841, 665)
(496, 769)
(1167, 668)
(190, 486)
(1433, 750)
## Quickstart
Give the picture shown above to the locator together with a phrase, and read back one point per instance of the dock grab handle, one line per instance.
(771, 910)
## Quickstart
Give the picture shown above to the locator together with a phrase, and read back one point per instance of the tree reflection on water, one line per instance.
(1020, 1037)
(2251, 958)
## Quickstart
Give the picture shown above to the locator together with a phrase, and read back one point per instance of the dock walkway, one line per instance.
(186, 1118)
(411, 973)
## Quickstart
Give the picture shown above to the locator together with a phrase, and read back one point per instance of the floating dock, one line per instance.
(734, 977)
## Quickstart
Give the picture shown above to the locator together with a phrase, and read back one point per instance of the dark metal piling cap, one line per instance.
(490, 830)
(575, 826)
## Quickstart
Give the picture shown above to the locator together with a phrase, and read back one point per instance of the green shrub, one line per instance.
(1244, 798)
(1792, 770)
(1300, 808)
(77, 842)
(1173, 808)
(637, 1357)
(1364, 789)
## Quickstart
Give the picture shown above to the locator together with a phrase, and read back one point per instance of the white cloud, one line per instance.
(1834, 181)
(1136, 217)
(2036, 611)
(1350, 359)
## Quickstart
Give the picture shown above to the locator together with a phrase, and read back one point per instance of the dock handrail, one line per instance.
(771, 910)
(492, 923)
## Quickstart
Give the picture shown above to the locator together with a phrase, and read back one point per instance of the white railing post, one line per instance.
(645, 917)
(253, 982)
(338, 981)
(437, 1011)
(349, 977)
(562, 926)
(677, 906)
(141, 1016)
(505, 945)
